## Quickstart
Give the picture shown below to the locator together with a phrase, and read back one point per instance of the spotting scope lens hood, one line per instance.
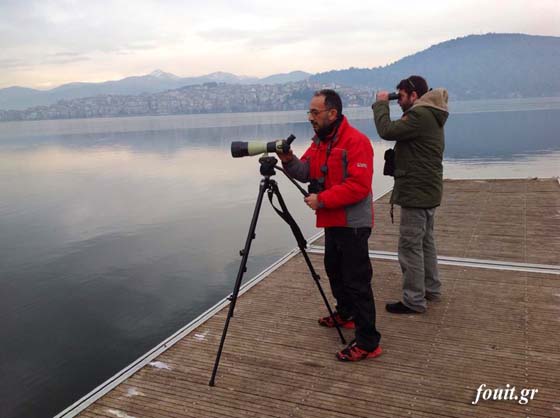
(244, 149)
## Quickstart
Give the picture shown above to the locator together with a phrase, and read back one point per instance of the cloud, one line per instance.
(13, 63)
(58, 58)
(112, 38)
(67, 26)
(64, 58)
(252, 38)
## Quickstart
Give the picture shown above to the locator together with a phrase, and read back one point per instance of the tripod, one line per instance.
(268, 164)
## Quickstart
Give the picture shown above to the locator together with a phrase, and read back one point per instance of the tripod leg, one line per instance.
(242, 269)
(316, 279)
(284, 214)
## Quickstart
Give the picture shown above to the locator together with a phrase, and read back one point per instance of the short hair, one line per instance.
(332, 100)
(414, 83)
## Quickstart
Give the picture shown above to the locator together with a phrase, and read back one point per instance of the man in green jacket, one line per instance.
(418, 173)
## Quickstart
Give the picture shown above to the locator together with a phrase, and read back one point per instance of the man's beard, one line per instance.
(405, 107)
(326, 131)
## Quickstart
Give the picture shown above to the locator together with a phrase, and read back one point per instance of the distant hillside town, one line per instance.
(206, 98)
(487, 66)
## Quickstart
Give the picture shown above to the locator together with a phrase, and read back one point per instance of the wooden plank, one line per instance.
(491, 327)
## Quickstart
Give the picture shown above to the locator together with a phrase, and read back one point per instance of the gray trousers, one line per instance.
(418, 258)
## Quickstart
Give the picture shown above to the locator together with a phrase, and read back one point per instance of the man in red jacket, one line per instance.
(339, 165)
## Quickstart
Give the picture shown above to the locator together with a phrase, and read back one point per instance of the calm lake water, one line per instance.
(115, 233)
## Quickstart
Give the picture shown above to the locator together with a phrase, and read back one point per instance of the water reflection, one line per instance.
(108, 250)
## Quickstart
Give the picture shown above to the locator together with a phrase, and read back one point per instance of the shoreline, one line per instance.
(296, 116)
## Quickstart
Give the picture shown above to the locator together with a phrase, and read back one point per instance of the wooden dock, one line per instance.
(497, 324)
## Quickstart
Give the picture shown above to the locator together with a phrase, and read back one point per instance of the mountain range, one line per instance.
(156, 81)
(471, 67)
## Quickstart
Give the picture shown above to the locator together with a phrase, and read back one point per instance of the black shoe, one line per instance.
(399, 308)
(433, 297)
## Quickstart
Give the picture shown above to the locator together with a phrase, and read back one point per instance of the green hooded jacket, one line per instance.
(420, 142)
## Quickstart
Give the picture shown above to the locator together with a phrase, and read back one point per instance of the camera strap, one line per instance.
(329, 151)
(285, 214)
(325, 167)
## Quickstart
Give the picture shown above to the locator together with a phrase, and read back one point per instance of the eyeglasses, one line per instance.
(315, 112)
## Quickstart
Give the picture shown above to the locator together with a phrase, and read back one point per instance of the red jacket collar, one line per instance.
(336, 134)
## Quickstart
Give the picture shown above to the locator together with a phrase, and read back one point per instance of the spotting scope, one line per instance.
(244, 149)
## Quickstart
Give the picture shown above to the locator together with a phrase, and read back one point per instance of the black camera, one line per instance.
(393, 96)
(389, 167)
(316, 185)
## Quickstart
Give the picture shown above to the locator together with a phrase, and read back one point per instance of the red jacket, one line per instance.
(347, 197)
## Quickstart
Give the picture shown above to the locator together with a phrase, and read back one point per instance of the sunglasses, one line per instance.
(410, 83)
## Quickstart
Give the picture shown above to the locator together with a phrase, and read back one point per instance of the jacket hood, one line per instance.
(436, 100)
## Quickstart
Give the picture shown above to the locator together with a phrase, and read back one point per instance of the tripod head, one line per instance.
(267, 165)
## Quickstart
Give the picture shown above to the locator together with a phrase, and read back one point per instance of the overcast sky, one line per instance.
(45, 43)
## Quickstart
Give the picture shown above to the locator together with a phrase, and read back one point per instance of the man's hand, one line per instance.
(382, 96)
(285, 157)
(312, 201)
